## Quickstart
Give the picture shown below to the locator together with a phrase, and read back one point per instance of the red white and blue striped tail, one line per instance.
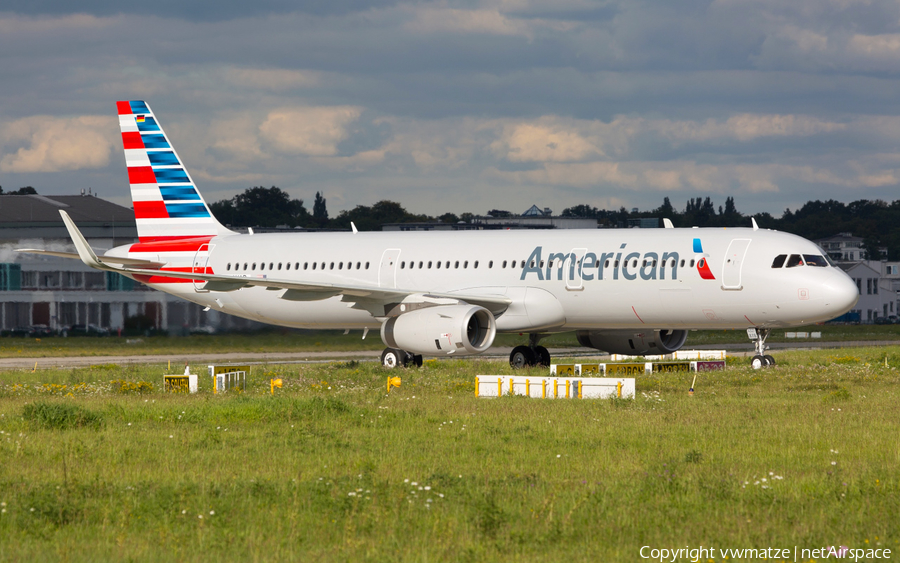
(167, 204)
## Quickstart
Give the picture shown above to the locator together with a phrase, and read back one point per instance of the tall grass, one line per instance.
(332, 468)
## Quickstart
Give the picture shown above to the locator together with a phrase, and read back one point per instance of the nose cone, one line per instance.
(841, 293)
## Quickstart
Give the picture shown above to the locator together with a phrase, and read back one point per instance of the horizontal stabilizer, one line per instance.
(135, 262)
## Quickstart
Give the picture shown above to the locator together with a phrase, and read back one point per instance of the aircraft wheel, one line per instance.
(770, 361)
(542, 356)
(521, 357)
(392, 358)
(757, 362)
(416, 360)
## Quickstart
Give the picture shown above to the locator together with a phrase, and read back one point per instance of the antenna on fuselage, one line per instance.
(755, 226)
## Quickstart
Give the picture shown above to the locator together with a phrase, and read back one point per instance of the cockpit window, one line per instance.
(815, 260)
(779, 261)
(794, 261)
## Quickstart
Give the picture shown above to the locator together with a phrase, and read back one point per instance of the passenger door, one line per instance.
(734, 262)
(387, 270)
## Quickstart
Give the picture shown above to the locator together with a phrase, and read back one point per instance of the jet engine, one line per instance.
(651, 342)
(441, 330)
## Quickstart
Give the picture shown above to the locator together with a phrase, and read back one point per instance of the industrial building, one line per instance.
(58, 293)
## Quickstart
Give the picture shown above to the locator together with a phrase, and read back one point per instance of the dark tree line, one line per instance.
(876, 221)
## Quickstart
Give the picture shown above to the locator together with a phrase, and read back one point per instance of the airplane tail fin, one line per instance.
(167, 204)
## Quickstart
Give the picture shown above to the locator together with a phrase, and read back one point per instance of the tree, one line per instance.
(581, 210)
(320, 212)
(666, 210)
(448, 218)
(261, 207)
(372, 218)
(27, 190)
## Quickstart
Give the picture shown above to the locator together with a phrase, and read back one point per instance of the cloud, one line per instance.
(54, 144)
(451, 20)
(537, 143)
(313, 131)
(277, 79)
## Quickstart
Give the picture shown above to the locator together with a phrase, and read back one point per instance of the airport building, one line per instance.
(878, 281)
(59, 293)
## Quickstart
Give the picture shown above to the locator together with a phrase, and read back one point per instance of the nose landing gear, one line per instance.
(760, 359)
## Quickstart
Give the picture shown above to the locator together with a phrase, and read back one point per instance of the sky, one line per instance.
(464, 106)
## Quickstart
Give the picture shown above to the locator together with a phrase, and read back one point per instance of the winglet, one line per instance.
(755, 226)
(667, 223)
(81, 245)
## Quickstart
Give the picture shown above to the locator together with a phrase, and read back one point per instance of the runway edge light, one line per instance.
(273, 383)
(392, 382)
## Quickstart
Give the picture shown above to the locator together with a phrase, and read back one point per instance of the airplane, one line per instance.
(440, 294)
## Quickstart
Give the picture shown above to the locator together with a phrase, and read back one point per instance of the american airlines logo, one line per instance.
(624, 264)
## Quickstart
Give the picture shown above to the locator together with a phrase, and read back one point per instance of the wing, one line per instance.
(379, 301)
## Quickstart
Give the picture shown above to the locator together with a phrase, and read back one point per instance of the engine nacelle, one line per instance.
(633, 343)
(441, 330)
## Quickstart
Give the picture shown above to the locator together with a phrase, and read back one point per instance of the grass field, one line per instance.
(299, 341)
(96, 466)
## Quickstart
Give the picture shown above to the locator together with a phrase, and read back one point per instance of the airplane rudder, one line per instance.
(167, 203)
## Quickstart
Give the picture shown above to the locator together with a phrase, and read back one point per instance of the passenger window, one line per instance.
(465, 264)
(245, 265)
(476, 264)
(271, 265)
(429, 264)
(439, 265)
(779, 261)
(815, 260)
(402, 265)
(314, 265)
(692, 262)
(262, 266)
(367, 265)
(456, 264)
(297, 265)
(323, 265)
(606, 264)
(331, 266)
(504, 264)
(794, 261)
(228, 267)
(340, 265)
(357, 265)
(490, 264)
(682, 262)
(253, 266)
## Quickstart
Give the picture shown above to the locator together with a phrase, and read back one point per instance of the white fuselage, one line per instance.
(620, 279)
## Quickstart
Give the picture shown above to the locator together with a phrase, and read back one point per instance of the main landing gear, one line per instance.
(531, 355)
(392, 358)
(760, 359)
